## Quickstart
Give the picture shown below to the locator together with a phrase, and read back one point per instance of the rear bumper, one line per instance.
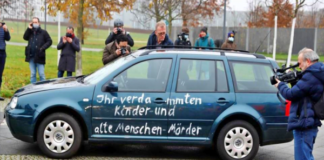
(276, 133)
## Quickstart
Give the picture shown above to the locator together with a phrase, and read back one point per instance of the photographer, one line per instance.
(229, 43)
(308, 90)
(38, 41)
(183, 38)
(119, 29)
(69, 44)
(115, 49)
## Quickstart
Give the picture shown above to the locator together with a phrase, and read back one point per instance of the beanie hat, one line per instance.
(118, 23)
(231, 34)
(204, 29)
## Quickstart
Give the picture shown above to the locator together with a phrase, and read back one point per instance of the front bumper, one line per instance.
(20, 123)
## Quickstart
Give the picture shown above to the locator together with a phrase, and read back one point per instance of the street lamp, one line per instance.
(45, 13)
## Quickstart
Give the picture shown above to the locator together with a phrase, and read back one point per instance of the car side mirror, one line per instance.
(110, 87)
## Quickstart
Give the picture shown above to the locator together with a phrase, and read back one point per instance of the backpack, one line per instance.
(319, 108)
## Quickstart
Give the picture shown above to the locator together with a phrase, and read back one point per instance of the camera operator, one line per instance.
(183, 38)
(115, 49)
(229, 43)
(119, 29)
(302, 120)
(69, 44)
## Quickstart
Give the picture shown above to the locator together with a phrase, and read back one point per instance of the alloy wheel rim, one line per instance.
(58, 136)
(238, 142)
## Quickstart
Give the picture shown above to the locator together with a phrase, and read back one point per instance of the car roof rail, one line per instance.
(188, 48)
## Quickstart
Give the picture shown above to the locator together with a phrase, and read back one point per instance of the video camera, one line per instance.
(289, 77)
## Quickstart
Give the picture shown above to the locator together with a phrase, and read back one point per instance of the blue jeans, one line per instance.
(61, 73)
(304, 142)
(40, 67)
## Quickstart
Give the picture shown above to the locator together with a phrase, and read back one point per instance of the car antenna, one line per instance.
(262, 41)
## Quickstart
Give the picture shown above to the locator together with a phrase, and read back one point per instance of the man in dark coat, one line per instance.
(69, 44)
(38, 41)
(308, 90)
(159, 37)
(119, 29)
(4, 36)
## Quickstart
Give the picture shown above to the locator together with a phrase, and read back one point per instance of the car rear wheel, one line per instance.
(237, 140)
(59, 136)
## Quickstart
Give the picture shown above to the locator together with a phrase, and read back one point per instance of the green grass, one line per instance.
(17, 73)
(95, 39)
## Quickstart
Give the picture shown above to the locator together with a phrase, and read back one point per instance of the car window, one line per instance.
(101, 73)
(221, 79)
(196, 76)
(150, 76)
(252, 77)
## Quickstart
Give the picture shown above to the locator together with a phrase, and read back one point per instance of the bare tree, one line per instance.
(256, 15)
(298, 5)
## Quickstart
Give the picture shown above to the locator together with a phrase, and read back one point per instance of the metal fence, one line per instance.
(250, 38)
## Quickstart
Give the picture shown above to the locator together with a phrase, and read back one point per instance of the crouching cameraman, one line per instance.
(117, 48)
(308, 90)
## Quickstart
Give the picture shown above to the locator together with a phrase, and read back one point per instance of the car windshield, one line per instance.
(100, 74)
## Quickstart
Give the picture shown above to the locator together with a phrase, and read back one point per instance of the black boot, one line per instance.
(2, 99)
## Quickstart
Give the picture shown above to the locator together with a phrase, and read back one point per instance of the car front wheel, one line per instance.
(237, 140)
(59, 136)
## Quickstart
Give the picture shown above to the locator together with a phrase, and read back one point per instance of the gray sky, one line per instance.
(243, 5)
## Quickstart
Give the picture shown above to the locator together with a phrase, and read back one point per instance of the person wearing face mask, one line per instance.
(229, 43)
(183, 38)
(115, 49)
(204, 41)
(303, 95)
(69, 44)
(38, 41)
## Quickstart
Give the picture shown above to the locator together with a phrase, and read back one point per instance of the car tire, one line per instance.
(242, 141)
(59, 136)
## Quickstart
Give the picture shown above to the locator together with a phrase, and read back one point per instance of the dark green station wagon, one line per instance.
(172, 96)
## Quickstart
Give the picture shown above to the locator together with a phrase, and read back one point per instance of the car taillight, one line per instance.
(288, 103)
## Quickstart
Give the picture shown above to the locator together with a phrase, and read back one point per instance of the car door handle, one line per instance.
(159, 101)
(222, 100)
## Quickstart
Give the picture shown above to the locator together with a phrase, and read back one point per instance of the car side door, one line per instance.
(130, 112)
(200, 92)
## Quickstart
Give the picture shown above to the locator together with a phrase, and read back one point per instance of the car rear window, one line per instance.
(252, 77)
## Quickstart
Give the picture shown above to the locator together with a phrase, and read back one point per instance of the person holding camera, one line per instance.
(38, 41)
(307, 91)
(204, 41)
(183, 38)
(116, 49)
(4, 36)
(229, 43)
(69, 44)
(119, 29)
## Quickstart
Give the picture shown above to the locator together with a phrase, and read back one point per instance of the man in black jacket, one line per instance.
(69, 44)
(119, 29)
(38, 41)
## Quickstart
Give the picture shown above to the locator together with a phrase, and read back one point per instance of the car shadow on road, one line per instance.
(148, 151)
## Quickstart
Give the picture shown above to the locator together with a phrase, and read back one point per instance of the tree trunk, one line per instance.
(79, 34)
(275, 38)
(291, 41)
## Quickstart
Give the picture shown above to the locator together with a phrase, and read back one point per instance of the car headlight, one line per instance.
(14, 102)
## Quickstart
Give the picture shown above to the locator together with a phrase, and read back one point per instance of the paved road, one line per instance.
(11, 148)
